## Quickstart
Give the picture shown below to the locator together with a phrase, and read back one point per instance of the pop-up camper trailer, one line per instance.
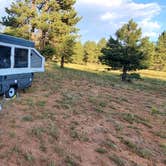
(19, 60)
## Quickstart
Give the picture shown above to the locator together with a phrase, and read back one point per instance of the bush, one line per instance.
(48, 51)
(135, 76)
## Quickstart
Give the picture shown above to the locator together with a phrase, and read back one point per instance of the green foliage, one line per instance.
(148, 48)
(18, 19)
(154, 111)
(133, 76)
(163, 146)
(27, 118)
(49, 51)
(52, 25)
(125, 51)
(129, 34)
(160, 57)
(90, 52)
(100, 45)
(70, 161)
(78, 53)
(65, 50)
(101, 150)
(117, 160)
(142, 152)
(132, 118)
(49, 23)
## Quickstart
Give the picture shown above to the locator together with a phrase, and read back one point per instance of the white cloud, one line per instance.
(109, 16)
(151, 34)
(147, 24)
(150, 28)
(105, 3)
(138, 11)
(116, 12)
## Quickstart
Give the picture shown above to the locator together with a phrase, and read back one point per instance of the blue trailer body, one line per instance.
(19, 60)
(19, 81)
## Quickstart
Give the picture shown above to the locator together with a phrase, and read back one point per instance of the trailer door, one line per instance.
(5, 57)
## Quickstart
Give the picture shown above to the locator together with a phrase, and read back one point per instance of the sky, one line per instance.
(102, 18)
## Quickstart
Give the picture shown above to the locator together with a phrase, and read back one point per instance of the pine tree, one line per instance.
(100, 45)
(50, 22)
(67, 32)
(90, 52)
(124, 51)
(18, 19)
(160, 57)
(78, 53)
(148, 48)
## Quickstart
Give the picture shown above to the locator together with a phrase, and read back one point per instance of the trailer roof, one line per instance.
(16, 41)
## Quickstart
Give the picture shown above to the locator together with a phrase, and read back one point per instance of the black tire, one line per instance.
(11, 93)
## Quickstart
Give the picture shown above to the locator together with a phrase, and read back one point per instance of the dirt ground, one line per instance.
(68, 121)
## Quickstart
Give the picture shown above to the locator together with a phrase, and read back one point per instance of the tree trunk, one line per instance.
(124, 74)
(33, 26)
(62, 61)
(43, 40)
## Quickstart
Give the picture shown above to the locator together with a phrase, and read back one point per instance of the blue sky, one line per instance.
(101, 18)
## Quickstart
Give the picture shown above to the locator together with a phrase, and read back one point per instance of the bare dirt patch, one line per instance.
(65, 120)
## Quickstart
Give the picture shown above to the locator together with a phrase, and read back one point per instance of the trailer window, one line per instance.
(21, 58)
(36, 60)
(5, 53)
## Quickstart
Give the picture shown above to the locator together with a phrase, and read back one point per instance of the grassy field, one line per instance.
(98, 68)
(83, 115)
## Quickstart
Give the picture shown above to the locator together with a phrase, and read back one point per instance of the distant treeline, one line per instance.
(52, 25)
(90, 51)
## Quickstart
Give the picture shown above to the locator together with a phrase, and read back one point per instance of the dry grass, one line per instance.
(84, 116)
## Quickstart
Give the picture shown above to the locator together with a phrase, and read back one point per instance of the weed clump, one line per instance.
(117, 160)
(101, 150)
(145, 153)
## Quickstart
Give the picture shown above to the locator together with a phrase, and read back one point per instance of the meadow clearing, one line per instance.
(84, 115)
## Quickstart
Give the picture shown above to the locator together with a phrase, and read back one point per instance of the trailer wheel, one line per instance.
(11, 93)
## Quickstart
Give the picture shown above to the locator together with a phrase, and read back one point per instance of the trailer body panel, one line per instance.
(19, 81)
(19, 60)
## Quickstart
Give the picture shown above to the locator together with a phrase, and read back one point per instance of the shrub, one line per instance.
(134, 76)
(48, 52)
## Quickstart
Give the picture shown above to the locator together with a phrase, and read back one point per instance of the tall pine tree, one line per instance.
(18, 19)
(50, 22)
(78, 53)
(160, 57)
(148, 48)
(124, 52)
(90, 52)
(100, 45)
